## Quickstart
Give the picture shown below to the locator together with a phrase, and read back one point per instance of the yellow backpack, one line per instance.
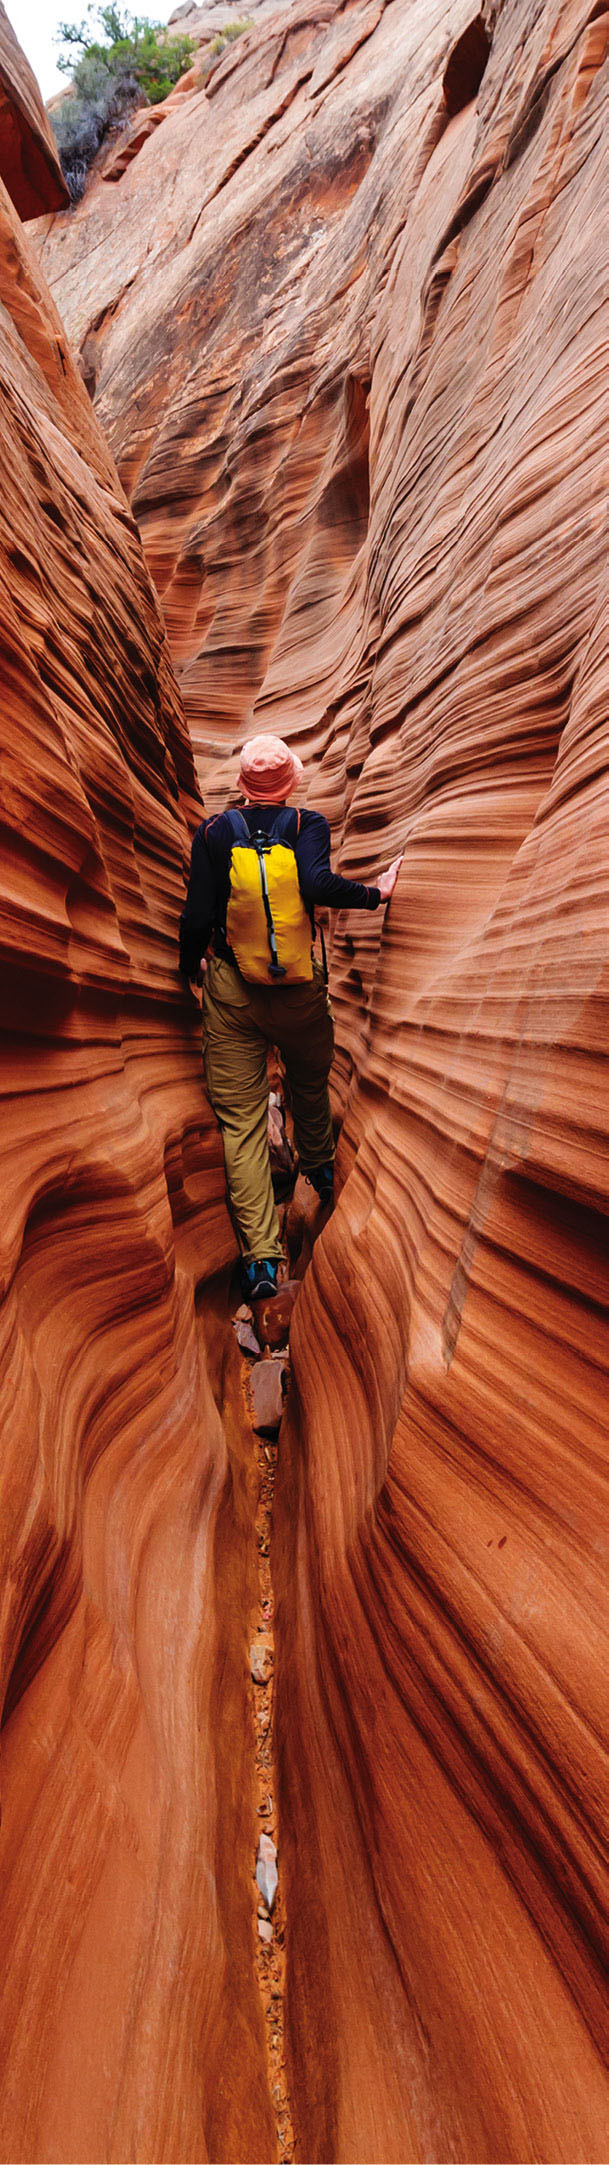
(268, 926)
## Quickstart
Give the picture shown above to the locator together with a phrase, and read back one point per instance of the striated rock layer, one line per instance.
(120, 1947)
(342, 316)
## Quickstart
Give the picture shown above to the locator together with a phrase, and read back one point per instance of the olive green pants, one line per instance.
(239, 1022)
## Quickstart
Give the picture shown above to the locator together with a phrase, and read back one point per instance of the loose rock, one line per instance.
(266, 1388)
(265, 1930)
(246, 1338)
(259, 1663)
(272, 1317)
(267, 1870)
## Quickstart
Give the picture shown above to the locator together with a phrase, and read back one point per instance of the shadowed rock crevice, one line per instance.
(29, 162)
(465, 68)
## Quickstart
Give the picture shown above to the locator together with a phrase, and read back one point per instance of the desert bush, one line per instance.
(131, 62)
(220, 41)
(225, 37)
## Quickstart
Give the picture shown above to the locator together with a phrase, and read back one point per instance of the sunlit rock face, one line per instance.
(119, 1951)
(342, 320)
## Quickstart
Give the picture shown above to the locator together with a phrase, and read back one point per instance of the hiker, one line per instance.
(256, 875)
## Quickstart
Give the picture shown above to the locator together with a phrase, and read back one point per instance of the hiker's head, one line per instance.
(269, 771)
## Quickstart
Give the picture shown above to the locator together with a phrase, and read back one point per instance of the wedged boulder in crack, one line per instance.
(267, 1870)
(266, 1385)
(272, 1318)
(260, 1661)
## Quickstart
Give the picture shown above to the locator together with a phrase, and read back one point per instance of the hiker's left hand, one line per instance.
(388, 879)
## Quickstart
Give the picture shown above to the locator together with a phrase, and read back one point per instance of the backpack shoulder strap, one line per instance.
(286, 824)
(238, 826)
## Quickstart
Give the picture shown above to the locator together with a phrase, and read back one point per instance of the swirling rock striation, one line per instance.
(343, 317)
(120, 1946)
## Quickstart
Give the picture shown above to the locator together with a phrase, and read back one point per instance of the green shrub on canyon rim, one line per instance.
(130, 62)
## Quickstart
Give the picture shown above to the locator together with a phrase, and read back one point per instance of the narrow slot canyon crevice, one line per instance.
(270, 1954)
(246, 1633)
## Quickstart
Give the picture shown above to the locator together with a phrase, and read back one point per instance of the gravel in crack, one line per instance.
(268, 1930)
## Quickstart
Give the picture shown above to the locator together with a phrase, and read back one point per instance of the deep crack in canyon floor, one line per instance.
(247, 1618)
(270, 1958)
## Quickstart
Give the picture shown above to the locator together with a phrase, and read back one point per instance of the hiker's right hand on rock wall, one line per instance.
(388, 879)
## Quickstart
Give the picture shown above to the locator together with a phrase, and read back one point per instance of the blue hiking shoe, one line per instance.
(260, 1279)
(321, 1178)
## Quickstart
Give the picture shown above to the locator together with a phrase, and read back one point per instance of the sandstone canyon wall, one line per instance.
(29, 162)
(117, 1950)
(341, 313)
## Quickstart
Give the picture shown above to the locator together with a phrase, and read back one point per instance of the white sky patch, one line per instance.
(35, 23)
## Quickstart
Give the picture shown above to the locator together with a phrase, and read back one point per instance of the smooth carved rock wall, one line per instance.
(346, 335)
(118, 2031)
(29, 162)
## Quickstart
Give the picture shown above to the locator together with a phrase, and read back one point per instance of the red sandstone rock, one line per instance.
(272, 1318)
(126, 1849)
(266, 1386)
(29, 163)
(346, 334)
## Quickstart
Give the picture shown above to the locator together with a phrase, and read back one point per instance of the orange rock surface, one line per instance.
(122, 1924)
(342, 315)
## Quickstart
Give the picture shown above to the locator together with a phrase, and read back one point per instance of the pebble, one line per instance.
(246, 1338)
(267, 1870)
(265, 1930)
(259, 1664)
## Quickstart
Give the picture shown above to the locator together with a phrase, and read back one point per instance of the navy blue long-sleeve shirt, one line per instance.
(208, 891)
